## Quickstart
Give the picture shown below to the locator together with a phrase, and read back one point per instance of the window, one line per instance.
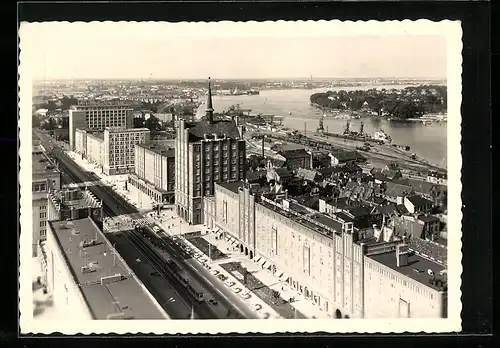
(43, 233)
(43, 215)
(43, 223)
(43, 207)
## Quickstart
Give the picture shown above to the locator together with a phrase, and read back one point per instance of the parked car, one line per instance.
(229, 283)
(236, 290)
(266, 315)
(214, 272)
(156, 229)
(213, 302)
(256, 306)
(155, 274)
(222, 277)
(246, 295)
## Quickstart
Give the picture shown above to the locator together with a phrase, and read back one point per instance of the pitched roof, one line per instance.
(297, 153)
(390, 173)
(282, 172)
(397, 190)
(307, 174)
(359, 211)
(401, 209)
(347, 156)
(388, 209)
(428, 218)
(256, 175)
(419, 186)
(218, 127)
(417, 200)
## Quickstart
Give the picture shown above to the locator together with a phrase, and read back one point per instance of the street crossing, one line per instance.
(144, 221)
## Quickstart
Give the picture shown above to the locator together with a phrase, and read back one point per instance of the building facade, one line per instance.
(206, 152)
(403, 291)
(98, 117)
(325, 258)
(45, 179)
(154, 172)
(119, 148)
(113, 150)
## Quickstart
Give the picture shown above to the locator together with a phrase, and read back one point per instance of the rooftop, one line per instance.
(74, 198)
(295, 153)
(231, 186)
(198, 130)
(158, 148)
(418, 200)
(416, 269)
(126, 130)
(41, 165)
(101, 262)
(311, 221)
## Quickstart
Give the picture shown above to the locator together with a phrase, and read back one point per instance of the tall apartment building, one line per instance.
(344, 272)
(206, 153)
(119, 148)
(45, 179)
(113, 149)
(97, 117)
(154, 172)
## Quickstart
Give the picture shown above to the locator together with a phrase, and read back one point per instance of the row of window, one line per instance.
(39, 188)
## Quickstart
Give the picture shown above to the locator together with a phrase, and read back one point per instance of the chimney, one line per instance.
(401, 255)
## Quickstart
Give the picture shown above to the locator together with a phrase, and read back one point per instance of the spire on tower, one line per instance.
(210, 109)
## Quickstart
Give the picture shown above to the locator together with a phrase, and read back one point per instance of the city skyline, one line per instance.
(117, 51)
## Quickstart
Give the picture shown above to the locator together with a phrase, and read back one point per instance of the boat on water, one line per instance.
(381, 135)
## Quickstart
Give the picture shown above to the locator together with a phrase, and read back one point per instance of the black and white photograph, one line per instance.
(221, 175)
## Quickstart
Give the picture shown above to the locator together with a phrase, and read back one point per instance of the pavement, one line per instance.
(119, 209)
(174, 226)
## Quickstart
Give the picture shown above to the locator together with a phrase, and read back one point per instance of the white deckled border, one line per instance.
(450, 29)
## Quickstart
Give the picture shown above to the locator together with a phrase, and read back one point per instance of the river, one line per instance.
(427, 141)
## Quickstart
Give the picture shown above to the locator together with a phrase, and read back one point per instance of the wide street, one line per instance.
(164, 289)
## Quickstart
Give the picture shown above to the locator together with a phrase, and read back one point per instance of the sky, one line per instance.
(191, 51)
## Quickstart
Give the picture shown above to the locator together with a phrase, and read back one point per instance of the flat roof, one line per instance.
(96, 134)
(40, 163)
(320, 218)
(101, 299)
(159, 148)
(231, 186)
(415, 262)
(126, 130)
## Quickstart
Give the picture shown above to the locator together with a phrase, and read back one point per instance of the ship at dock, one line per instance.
(382, 136)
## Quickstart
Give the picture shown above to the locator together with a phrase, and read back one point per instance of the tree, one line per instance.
(49, 124)
(153, 124)
(65, 122)
(67, 102)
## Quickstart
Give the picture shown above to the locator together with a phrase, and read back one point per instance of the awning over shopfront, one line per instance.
(235, 243)
(256, 259)
(261, 261)
(284, 277)
(228, 237)
(266, 265)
